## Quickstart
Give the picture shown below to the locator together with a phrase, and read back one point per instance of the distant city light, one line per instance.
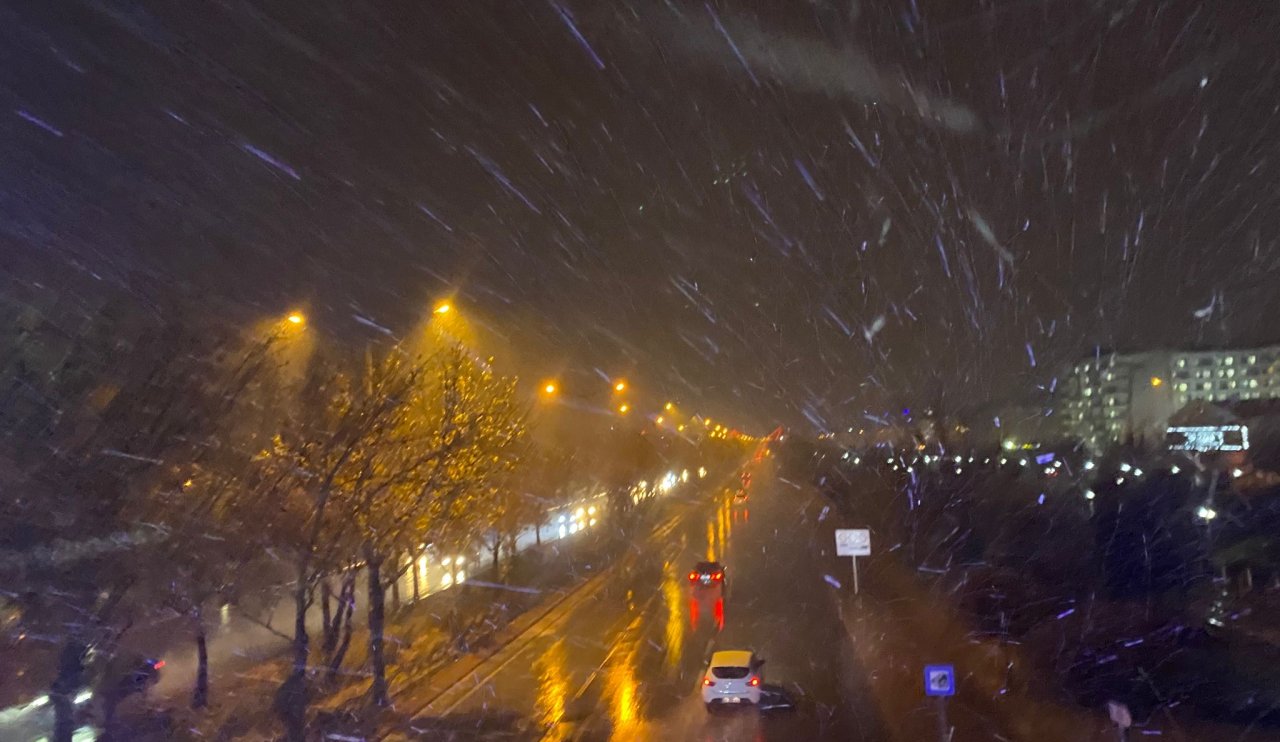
(1088, 466)
(442, 309)
(1126, 467)
(1009, 445)
(1237, 473)
(1089, 494)
(1156, 381)
(1174, 469)
(296, 318)
(1206, 513)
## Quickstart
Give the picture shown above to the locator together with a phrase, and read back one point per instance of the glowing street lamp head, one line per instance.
(550, 388)
(624, 408)
(296, 318)
(444, 308)
(668, 407)
(658, 419)
(621, 386)
(1156, 381)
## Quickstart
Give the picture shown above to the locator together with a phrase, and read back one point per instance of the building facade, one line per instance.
(1117, 396)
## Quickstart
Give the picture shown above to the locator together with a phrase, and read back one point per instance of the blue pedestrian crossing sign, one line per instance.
(939, 680)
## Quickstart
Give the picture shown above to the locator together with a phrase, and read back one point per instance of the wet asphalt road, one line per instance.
(626, 661)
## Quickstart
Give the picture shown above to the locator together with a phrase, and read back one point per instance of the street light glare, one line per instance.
(624, 409)
(668, 407)
(443, 309)
(620, 386)
(295, 318)
(550, 388)
(1156, 381)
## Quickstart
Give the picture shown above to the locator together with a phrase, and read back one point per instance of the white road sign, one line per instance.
(854, 542)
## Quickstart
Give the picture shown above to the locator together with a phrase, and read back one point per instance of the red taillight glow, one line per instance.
(753, 682)
(718, 576)
(693, 577)
(708, 682)
(158, 664)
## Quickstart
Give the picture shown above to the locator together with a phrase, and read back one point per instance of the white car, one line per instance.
(732, 677)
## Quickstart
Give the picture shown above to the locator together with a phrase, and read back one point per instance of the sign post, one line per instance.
(853, 542)
(940, 682)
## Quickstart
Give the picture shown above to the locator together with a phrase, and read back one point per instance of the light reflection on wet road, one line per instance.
(627, 662)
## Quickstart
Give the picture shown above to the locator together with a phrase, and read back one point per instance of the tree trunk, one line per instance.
(61, 694)
(417, 595)
(537, 534)
(200, 697)
(326, 619)
(291, 698)
(346, 594)
(346, 606)
(377, 598)
(497, 546)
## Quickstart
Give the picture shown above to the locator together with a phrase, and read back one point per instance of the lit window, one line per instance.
(1088, 392)
(1231, 372)
(1182, 363)
(1253, 359)
(1228, 361)
(1233, 385)
(1253, 383)
(1182, 387)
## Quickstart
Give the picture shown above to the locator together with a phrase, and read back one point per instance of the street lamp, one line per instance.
(668, 407)
(658, 420)
(550, 388)
(296, 318)
(620, 386)
(443, 308)
(624, 408)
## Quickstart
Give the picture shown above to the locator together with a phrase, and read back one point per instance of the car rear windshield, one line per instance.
(730, 673)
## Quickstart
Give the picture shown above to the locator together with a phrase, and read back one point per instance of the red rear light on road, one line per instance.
(753, 682)
(708, 682)
(158, 664)
(693, 577)
(718, 576)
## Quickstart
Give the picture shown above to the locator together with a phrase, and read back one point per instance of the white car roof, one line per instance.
(732, 658)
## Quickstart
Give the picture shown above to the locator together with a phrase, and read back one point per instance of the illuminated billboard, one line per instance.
(1208, 438)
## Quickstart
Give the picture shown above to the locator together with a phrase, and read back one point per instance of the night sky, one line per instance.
(794, 210)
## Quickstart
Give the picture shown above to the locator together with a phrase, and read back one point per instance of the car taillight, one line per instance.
(718, 576)
(753, 682)
(708, 682)
(158, 664)
(693, 577)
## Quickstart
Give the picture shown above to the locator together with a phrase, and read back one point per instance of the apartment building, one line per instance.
(1114, 396)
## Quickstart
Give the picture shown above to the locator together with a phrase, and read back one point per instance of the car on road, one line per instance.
(707, 574)
(732, 677)
(740, 496)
